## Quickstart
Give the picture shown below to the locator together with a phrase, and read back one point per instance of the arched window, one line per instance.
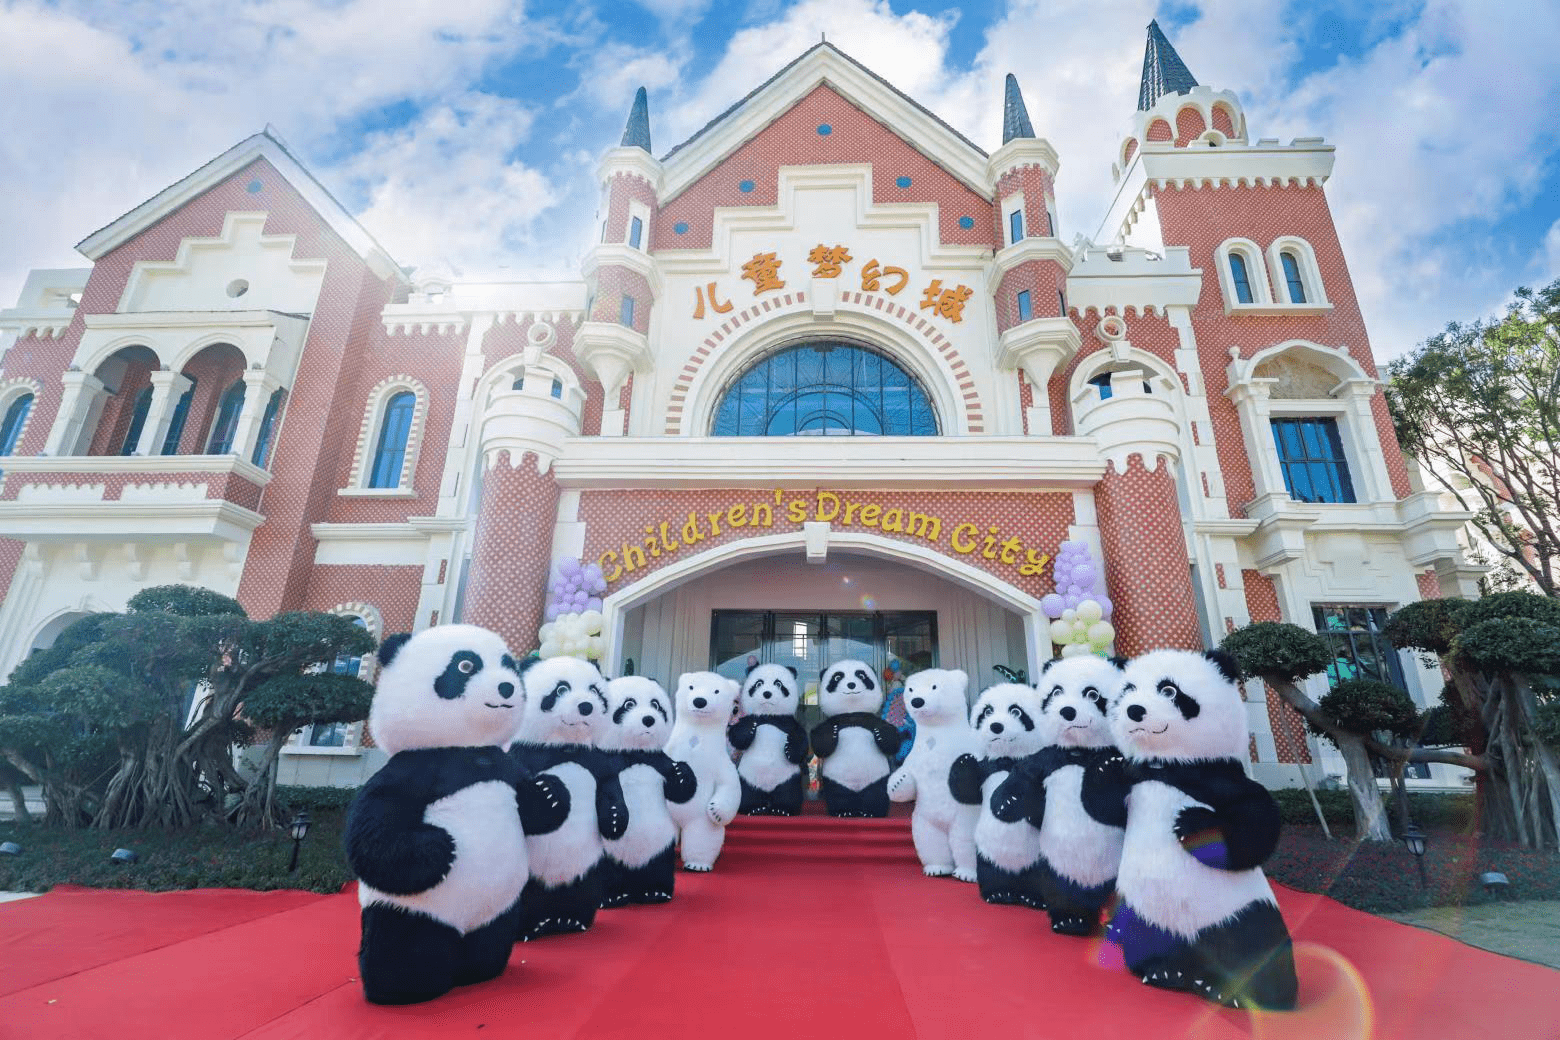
(825, 389)
(394, 429)
(273, 408)
(181, 414)
(225, 425)
(143, 404)
(1241, 279)
(15, 419)
(1292, 277)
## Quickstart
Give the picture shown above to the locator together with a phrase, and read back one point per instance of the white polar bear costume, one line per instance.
(704, 705)
(943, 829)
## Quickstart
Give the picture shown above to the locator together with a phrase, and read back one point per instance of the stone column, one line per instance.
(167, 388)
(81, 393)
(258, 387)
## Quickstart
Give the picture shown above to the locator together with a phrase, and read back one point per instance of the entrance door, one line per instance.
(894, 643)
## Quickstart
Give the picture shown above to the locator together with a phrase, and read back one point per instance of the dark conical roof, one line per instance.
(1163, 70)
(1015, 117)
(637, 133)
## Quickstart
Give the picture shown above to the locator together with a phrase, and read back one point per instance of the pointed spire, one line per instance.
(1163, 70)
(637, 133)
(1015, 117)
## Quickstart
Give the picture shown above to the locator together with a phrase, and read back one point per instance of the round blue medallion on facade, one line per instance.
(745, 187)
(681, 227)
(966, 222)
(253, 187)
(824, 129)
(903, 182)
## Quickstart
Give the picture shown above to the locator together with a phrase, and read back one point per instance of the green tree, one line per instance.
(132, 719)
(1479, 404)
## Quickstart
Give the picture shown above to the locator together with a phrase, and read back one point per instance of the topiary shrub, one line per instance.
(1513, 643)
(1278, 650)
(1428, 625)
(1366, 706)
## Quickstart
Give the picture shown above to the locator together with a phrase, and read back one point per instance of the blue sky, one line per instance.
(465, 134)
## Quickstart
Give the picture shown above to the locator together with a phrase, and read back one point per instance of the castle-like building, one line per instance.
(833, 382)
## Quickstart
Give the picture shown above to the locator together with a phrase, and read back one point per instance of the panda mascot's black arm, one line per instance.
(742, 732)
(795, 738)
(681, 783)
(826, 737)
(611, 807)
(964, 780)
(1105, 789)
(388, 844)
(1022, 795)
(543, 801)
(1240, 828)
(888, 738)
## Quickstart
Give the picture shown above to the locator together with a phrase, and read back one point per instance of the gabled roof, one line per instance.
(824, 63)
(264, 145)
(1163, 70)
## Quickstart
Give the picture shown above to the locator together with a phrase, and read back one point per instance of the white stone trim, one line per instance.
(368, 435)
(640, 210)
(1310, 272)
(1256, 273)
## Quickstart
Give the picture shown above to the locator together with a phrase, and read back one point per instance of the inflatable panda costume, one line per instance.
(434, 837)
(1195, 911)
(642, 864)
(942, 828)
(565, 714)
(772, 742)
(854, 744)
(1007, 845)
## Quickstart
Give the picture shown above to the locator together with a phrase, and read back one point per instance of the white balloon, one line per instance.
(1101, 633)
(1089, 610)
(1074, 650)
(1061, 632)
(1069, 614)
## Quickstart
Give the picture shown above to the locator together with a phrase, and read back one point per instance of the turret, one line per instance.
(1174, 110)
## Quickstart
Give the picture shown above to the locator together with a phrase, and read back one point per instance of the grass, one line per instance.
(197, 857)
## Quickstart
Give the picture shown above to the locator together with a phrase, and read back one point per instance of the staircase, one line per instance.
(818, 838)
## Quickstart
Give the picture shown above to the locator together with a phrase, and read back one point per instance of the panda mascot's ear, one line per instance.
(527, 663)
(1047, 666)
(392, 646)
(792, 670)
(1119, 662)
(751, 669)
(1226, 664)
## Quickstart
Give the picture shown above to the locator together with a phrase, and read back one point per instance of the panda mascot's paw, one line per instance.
(1198, 831)
(434, 836)
(965, 875)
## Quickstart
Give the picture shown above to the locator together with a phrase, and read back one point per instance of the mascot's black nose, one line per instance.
(917, 702)
(1069, 713)
(768, 694)
(1135, 712)
(699, 702)
(996, 727)
(506, 690)
(850, 686)
(586, 707)
(648, 720)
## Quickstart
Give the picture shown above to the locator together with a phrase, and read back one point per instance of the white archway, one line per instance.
(616, 605)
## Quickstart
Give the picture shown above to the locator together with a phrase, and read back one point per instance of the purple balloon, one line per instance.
(592, 572)
(552, 612)
(598, 586)
(1105, 606)
(594, 603)
(1072, 599)
(569, 566)
(1052, 605)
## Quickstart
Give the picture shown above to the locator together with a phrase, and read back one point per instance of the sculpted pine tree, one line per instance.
(1479, 407)
(132, 719)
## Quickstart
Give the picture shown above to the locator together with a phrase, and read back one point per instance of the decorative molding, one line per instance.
(212, 518)
(111, 465)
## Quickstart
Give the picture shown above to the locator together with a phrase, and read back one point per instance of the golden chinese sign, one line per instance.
(827, 261)
(668, 537)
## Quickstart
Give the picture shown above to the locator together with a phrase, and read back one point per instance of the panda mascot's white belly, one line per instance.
(650, 827)
(856, 761)
(1071, 838)
(1012, 846)
(568, 852)
(490, 866)
(1166, 885)
(763, 764)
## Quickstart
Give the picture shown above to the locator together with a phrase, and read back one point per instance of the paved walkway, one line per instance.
(1530, 930)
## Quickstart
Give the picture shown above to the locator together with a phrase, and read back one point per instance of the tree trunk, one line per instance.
(259, 805)
(18, 801)
(1370, 816)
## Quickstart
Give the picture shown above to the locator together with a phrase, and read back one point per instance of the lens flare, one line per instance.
(1334, 1001)
(868, 602)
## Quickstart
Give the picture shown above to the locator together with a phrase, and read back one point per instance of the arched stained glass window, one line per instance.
(226, 423)
(262, 451)
(394, 430)
(15, 419)
(825, 389)
(1292, 277)
(1241, 279)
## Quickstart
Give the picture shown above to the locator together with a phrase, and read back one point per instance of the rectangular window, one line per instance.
(1359, 650)
(1311, 455)
(1025, 309)
(636, 232)
(1015, 226)
(626, 312)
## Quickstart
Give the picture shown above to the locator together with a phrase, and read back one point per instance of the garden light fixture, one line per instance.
(123, 857)
(1494, 882)
(1414, 838)
(300, 828)
(10, 848)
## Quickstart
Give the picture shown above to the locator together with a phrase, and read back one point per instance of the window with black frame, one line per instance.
(1360, 650)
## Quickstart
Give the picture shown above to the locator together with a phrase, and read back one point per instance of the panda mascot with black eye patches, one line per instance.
(1074, 791)
(853, 742)
(565, 715)
(772, 742)
(641, 866)
(1195, 911)
(705, 701)
(1007, 851)
(434, 837)
(942, 828)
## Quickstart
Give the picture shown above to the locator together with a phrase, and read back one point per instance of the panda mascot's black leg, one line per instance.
(615, 882)
(1154, 955)
(406, 957)
(1074, 909)
(652, 883)
(1005, 888)
(786, 800)
(563, 909)
(1248, 960)
(755, 802)
(869, 802)
(484, 953)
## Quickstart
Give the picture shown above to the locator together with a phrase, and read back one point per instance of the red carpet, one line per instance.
(808, 928)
